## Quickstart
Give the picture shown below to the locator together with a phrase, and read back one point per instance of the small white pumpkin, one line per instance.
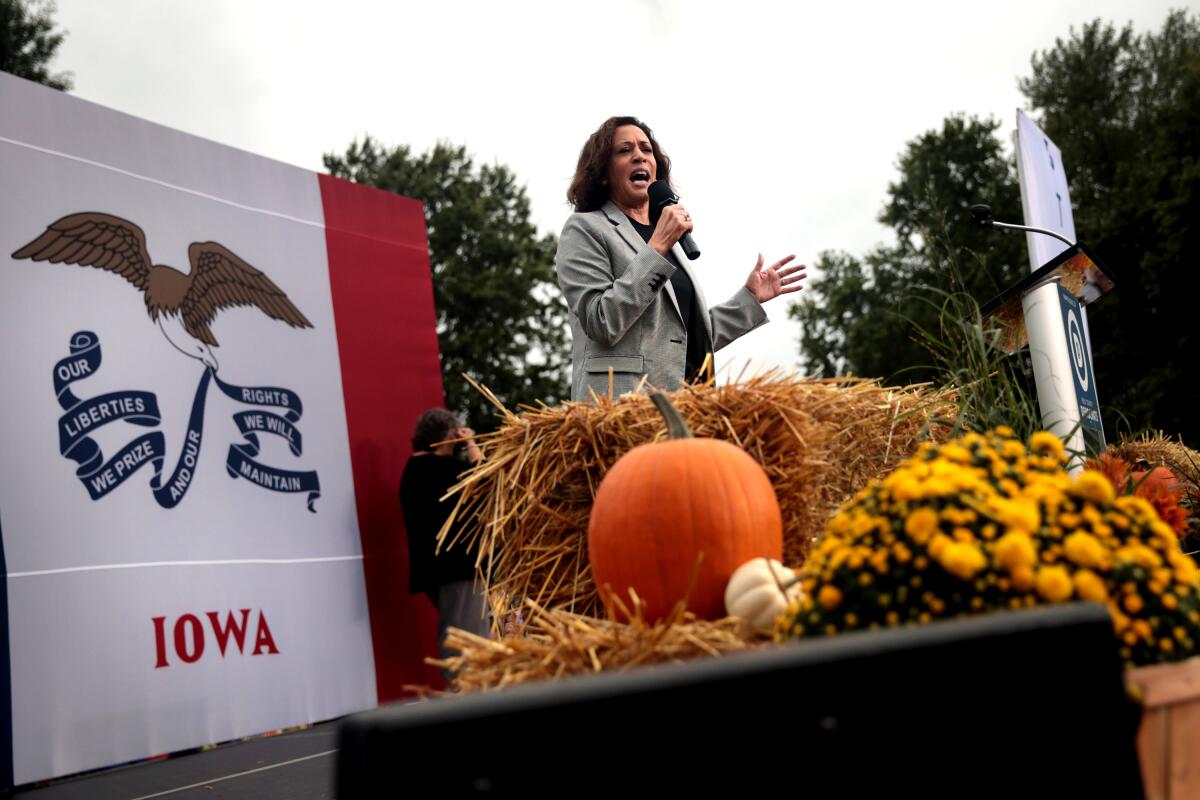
(753, 592)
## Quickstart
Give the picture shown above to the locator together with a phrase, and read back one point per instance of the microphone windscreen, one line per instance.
(661, 196)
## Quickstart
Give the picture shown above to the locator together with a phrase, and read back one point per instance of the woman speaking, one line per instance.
(636, 308)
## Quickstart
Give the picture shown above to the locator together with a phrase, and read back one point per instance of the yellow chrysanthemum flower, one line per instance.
(1093, 486)
(906, 488)
(1163, 531)
(1054, 584)
(956, 452)
(1045, 492)
(838, 526)
(1186, 571)
(830, 597)
(1022, 579)
(1145, 557)
(1090, 586)
(1021, 513)
(959, 516)
(861, 526)
(962, 534)
(1047, 444)
(1084, 549)
(1012, 450)
(937, 487)
(939, 543)
(921, 524)
(1141, 507)
(1015, 549)
(1132, 603)
(961, 559)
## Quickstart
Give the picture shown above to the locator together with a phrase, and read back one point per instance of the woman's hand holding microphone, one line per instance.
(672, 225)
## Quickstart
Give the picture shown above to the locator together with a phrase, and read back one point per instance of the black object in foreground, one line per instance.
(1018, 704)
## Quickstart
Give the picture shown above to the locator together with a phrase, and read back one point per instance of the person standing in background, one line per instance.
(448, 577)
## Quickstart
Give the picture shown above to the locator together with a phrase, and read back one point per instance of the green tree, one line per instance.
(1125, 111)
(500, 316)
(29, 40)
(828, 339)
(864, 316)
(1124, 108)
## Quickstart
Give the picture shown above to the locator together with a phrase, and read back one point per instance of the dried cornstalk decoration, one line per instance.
(819, 441)
(558, 643)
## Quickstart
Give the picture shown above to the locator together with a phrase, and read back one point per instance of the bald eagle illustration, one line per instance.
(183, 305)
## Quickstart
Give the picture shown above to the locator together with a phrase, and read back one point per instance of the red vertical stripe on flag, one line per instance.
(387, 340)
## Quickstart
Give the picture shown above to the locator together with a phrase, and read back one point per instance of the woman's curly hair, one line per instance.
(588, 191)
(435, 425)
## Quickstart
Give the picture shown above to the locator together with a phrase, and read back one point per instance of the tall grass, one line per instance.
(993, 387)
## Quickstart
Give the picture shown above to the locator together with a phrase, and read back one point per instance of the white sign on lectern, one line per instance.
(1046, 202)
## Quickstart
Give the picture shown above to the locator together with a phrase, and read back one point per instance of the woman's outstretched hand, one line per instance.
(767, 284)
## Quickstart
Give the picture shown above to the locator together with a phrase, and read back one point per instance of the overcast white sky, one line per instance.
(783, 120)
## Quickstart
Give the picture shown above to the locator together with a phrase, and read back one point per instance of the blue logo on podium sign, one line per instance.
(1081, 370)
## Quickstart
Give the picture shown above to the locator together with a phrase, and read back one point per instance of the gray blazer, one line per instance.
(624, 315)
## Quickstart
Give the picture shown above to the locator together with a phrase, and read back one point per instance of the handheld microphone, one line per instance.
(661, 196)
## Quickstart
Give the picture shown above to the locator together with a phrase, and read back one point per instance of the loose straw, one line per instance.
(556, 643)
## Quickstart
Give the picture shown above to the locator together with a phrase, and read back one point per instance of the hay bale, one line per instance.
(526, 504)
(1156, 450)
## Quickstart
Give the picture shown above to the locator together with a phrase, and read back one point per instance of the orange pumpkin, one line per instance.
(663, 504)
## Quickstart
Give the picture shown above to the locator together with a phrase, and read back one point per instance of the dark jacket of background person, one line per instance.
(425, 481)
